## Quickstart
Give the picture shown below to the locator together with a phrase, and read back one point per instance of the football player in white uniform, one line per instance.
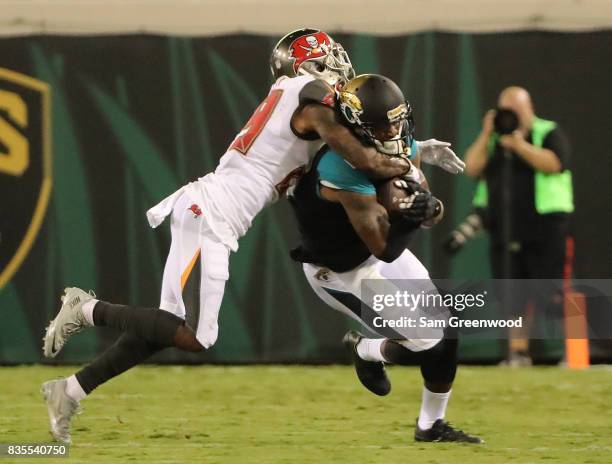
(209, 216)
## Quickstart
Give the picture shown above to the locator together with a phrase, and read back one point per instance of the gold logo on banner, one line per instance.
(25, 166)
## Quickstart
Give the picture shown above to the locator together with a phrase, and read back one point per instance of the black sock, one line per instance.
(128, 351)
(153, 325)
(441, 367)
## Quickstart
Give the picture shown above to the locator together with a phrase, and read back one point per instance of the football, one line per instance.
(389, 195)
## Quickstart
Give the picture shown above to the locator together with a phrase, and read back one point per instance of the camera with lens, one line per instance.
(468, 229)
(506, 121)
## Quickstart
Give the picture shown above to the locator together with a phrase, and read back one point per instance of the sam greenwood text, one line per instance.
(454, 321)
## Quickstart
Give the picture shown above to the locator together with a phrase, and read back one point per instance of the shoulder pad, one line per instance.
(318, 91)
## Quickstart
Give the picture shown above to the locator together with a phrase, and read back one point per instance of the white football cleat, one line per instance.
(61, 409)
(68, 321)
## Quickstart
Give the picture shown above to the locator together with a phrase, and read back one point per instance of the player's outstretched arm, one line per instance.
(385, 239)
(321, 120)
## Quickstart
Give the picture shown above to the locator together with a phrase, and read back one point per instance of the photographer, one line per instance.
(525, 185)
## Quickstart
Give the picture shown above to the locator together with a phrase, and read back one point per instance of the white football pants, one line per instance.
(196, 270)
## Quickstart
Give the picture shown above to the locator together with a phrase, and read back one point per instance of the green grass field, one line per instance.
(281, 414)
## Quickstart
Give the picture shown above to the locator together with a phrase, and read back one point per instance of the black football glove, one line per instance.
(420, 205)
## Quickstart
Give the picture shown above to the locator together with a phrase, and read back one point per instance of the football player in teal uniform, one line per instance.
(348, 236)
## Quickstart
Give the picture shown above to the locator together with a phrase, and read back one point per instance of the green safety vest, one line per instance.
(553, 192)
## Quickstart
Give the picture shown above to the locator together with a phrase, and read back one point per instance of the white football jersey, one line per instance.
(264, 159)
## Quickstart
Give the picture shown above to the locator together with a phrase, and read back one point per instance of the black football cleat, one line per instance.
(371, 374)
(442, 431)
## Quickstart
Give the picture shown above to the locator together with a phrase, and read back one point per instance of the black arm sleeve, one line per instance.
(400, 233)
(557, 142)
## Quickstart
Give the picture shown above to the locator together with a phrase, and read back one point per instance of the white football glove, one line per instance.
(438, 153)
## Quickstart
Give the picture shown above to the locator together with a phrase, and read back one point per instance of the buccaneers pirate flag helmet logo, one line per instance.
(25, 166)
(310, 47)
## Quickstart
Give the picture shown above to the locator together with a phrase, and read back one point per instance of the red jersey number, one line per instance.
(252, 129)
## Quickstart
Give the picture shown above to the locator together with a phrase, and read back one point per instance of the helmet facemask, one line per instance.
(399, 144)
(335, 67)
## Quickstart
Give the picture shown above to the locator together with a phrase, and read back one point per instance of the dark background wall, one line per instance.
(135, 117)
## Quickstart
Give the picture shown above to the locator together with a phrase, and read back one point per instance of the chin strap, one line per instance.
(391, 147)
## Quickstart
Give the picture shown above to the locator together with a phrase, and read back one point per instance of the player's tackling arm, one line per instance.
(386, 240)
(321, 120)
